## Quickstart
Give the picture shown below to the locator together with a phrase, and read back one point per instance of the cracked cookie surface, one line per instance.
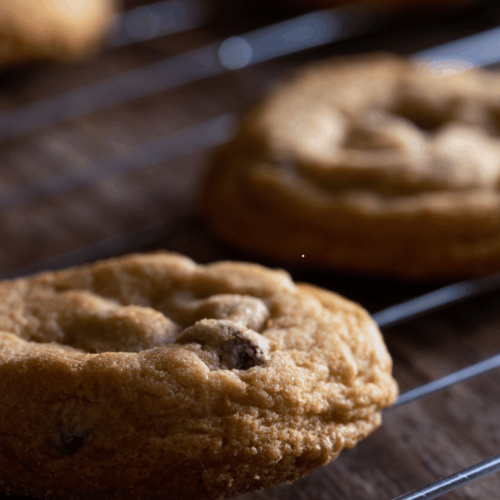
(58, 30)
(372, 165)
(148, 373)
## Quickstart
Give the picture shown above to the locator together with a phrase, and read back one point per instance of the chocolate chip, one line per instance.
(235, 346)
(71, 442)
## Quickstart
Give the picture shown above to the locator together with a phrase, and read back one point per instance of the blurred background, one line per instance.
(38, 220)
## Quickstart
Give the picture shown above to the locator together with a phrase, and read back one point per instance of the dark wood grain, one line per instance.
(419, 442)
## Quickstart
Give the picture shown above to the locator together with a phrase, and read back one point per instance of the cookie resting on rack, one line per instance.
(150, 376)
(371, 165)
(58, 30)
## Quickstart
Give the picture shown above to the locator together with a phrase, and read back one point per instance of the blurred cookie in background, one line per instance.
(370, 165)
(57, 30)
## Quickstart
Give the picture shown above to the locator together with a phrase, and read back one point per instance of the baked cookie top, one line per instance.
(62, 30)
(389, 136)
(374, 146)
(228, 377)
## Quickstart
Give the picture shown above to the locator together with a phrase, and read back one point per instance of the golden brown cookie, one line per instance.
(149, 376)
(59, 30)
(372, 165)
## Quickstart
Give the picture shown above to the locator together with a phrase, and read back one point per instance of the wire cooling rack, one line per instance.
(236, 52)
(391, 316)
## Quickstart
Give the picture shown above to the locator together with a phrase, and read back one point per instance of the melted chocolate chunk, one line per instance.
(71, 442)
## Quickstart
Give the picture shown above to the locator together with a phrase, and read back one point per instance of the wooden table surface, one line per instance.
(419, 442)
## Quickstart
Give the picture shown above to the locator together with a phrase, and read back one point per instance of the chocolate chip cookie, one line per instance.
(60, 30)
(149, 376)
(373, 165)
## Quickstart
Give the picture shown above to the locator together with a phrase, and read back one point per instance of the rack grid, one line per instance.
(30, 189)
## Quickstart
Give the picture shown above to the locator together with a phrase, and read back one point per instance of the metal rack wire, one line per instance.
(318, 28)
(227, 55)
(288, 37)
(386, 318)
